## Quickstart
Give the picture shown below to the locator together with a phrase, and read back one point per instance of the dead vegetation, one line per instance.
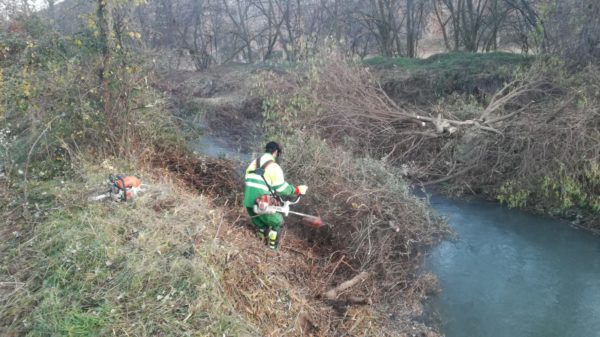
(373, 219)
(217, 177)
(362, 269)
(359, 276)
(533, 143)
(321, 282)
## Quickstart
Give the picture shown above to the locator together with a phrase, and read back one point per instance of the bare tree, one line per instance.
(270, 9)
(202, 40)
(531, 21)
(381, 18)
(105, 40)
(293, 24)
(474, 25)
(448, 12)
(209, 31)
(588, 39)
(443, 21)
(416, 12)
(472, 22)
(240, 18)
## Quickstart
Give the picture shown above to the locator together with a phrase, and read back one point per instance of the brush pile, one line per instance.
(217, 177)
(374, 220)
(534, 143)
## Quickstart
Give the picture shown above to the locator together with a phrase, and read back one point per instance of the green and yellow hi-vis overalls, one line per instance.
(257, 186)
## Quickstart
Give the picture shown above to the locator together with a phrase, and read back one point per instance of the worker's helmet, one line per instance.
(272, 147)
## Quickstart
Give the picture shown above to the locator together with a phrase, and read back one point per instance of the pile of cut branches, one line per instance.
(535, 143)
(376, 228)
(213, 176)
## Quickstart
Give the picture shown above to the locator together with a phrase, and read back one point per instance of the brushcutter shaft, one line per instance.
(301, 214)
(307, 219)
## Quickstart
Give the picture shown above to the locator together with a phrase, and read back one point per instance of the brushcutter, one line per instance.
(267, 204)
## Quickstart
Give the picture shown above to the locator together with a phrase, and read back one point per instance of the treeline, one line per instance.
(64, 95)
(218, 31)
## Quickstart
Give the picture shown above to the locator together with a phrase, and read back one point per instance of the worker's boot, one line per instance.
(262, 234)
(273, 239)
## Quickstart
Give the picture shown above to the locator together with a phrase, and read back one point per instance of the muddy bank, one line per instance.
(518, 133)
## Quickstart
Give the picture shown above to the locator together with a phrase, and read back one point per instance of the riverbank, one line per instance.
(497, 134)
(500, 131)
(343, 135)
(306, 160)
(174, 260)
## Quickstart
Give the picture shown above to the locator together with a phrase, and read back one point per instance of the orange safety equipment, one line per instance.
(125, 188)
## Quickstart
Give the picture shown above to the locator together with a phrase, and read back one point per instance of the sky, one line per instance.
(39, 4)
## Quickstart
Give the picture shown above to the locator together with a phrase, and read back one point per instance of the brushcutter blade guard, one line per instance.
(312, 222)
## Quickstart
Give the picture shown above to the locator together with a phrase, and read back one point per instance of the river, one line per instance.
(514, 274)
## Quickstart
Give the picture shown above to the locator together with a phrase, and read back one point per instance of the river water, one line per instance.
(218, 147)
(513, 274)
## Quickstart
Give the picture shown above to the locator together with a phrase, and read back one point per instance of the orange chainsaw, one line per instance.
(123, 188)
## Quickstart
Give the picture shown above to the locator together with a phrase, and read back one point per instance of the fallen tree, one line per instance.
(534, 143)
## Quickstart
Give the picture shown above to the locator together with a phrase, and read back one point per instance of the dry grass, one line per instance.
(374, 221)
(182, 259)
(169, 263)
(375, 226)
(144, 268)
(282, 291)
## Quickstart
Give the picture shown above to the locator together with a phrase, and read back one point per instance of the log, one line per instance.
(333, 293)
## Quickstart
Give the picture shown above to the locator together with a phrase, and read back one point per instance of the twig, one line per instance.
(333, 293)
(221, 222)
(334, 269)
(441, 180)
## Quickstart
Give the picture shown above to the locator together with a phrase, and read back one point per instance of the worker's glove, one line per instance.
(301, 189)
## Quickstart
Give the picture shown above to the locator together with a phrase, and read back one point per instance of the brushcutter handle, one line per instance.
(295, 200)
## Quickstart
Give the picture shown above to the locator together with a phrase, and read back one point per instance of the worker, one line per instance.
(264, 177)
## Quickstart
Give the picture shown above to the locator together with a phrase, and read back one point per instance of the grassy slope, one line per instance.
(150, 267)
(470, 62)
(424, 81)
(309, 267)
(171, 263)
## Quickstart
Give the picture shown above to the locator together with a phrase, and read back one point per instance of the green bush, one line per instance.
(52, 105)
